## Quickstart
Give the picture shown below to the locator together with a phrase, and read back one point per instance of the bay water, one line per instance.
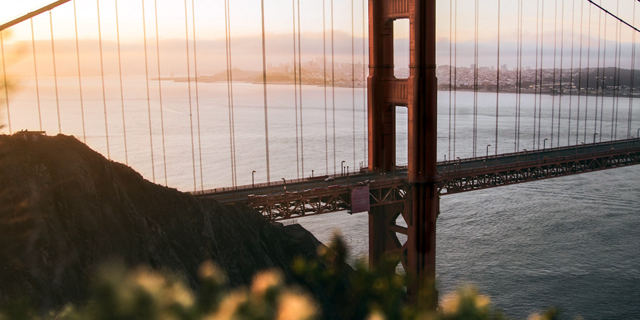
(571, 242)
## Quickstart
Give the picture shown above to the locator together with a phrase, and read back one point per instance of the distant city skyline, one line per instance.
(553, 38)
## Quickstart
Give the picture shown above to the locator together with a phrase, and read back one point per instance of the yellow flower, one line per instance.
(296, 306)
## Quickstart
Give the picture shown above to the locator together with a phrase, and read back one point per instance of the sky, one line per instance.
(550, 25)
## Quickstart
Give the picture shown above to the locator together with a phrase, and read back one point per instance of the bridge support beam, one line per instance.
(419, 94)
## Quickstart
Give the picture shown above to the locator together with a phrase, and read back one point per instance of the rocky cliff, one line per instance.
(64, 209)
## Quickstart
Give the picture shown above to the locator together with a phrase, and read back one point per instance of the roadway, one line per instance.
(445, 169)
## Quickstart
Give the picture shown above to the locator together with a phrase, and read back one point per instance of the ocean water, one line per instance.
(569, 242)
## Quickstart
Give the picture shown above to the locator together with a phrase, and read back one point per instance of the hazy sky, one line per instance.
(562, 24)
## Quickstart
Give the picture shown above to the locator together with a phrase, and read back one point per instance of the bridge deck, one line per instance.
(295, 198)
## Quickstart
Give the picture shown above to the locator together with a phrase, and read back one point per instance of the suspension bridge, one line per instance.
(565, 107)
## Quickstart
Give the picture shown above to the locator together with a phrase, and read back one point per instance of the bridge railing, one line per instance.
(515, 154)
(530, 163)
(282, 182)
(442, 173)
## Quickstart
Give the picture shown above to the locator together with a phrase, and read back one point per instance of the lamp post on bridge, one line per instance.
(594, 137)
(488, 151)
(342, 168)
(544, 144)
(253, 180)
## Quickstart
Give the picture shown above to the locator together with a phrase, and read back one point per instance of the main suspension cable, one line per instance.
(146, 74)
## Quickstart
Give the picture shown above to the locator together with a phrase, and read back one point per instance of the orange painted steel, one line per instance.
(419, 94)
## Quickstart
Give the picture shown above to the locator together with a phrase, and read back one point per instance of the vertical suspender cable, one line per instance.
(164, 153)
(553, 86)
(475, 83)
(353, 84)
(633, 76)
(195, 63)
(55, 72)
(124, 126)
(598, 79)
(535, 90)
(333, 90)
(586, 110)
(364, 91)
(264, 88)
(601, 80)
(146, 74)
(324, 73)
(450, 68)
(573, 14)
(35, 69)
(295, 86)
(580, 71)
(104, 95)
(232, 139)
(498, 81)
(75, 21)
(519, 93)
(193, 149)
(518, 80)
(616, 76)
(455, 78)
(561, 65)
(6, 86)
(541, 72)
(300, 95)
(604, 76)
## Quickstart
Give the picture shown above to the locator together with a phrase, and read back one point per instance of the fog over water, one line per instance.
(571, 242)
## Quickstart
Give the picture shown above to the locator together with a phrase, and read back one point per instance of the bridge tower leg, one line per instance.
(419, 94)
